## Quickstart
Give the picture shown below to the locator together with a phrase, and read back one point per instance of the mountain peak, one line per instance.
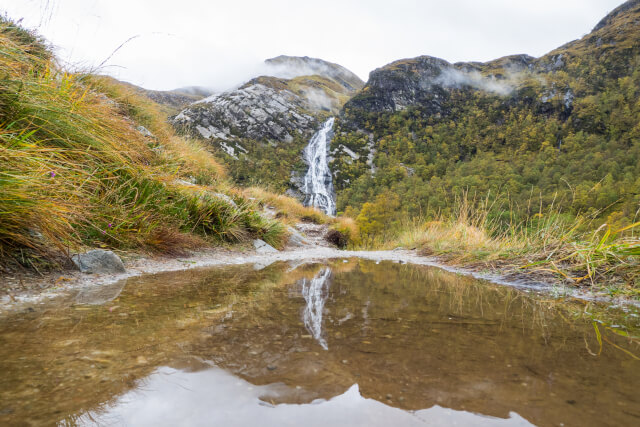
(295, 66)
(625, 7)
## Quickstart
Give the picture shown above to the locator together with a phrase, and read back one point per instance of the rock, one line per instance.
(259, 110)
(99, 261)
(296, 239)
(263, 247)
(225, 198)
(144, 131)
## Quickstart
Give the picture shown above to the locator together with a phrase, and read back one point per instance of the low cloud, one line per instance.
(454, 78)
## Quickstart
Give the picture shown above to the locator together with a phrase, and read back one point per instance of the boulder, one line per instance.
(99, 261)
(296, 239)
(263, 247)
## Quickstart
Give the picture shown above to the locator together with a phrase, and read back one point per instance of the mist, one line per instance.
(221, 44)
(453, 78)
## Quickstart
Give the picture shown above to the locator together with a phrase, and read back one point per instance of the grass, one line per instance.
(288, 209)
(77, 170)
(607, 259)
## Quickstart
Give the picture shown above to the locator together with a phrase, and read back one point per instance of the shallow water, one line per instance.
(349, 342)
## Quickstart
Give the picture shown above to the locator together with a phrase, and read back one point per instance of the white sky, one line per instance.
(219, 43)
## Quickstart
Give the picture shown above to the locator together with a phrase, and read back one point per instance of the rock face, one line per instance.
(262, 127)
(427, 81)
(99, 261)
(276, 108)
(262, 109)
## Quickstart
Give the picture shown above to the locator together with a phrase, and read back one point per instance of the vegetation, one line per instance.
(547, 247)
(86, 161)
(567, 135)
(554, 164)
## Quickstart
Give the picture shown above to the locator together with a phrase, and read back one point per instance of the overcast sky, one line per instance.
(221, 43)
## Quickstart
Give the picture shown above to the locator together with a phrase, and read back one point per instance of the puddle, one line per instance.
(348, 342)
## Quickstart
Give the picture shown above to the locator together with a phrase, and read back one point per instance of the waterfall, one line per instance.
(318, 183)
(315, 293)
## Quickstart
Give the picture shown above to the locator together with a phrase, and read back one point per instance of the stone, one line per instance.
(99, 261)
(296, 239)
(144, 131)
(263, 247)
(225, 198)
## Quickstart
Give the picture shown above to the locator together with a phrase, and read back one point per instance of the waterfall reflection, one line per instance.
(315, 293)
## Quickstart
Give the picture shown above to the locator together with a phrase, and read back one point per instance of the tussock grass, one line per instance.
(606, 259)
(77, 170)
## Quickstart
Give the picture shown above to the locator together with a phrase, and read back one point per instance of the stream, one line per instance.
(347, 342)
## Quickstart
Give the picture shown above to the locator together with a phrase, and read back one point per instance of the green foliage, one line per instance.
(528, 148)
(267, 164)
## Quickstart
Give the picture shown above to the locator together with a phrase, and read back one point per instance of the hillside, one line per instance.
(87, 161)
(262, 127)
(556, 133)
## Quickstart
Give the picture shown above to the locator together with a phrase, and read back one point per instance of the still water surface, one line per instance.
(348, 342)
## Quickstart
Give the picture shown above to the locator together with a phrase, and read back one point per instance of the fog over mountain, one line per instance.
(223, 44)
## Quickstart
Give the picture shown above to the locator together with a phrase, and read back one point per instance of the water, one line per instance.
(318, 182)
(315, 293)
(338, 343)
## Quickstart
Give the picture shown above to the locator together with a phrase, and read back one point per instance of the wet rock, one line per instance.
(99, 261)
(263, 247)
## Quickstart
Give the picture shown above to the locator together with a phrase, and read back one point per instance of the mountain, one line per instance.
(177, 99)
(293, 66)
(262, 126)
(561, 130)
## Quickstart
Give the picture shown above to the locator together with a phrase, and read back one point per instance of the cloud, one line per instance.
(454, 78)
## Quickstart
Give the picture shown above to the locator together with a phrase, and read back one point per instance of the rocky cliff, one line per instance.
(262, 126)
(272, 108)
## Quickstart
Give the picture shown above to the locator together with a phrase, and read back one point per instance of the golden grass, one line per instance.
(606, 259)
(288, 209)
(76, 169)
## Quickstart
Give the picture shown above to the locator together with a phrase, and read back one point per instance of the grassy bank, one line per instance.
(551, 246)
(87, 162)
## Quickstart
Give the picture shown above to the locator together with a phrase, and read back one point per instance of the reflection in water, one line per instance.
(315, 293)
(214, 397)
(410, 337)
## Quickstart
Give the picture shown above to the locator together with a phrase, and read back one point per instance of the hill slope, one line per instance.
(262, 127)
(86, 161)
(560, 130)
